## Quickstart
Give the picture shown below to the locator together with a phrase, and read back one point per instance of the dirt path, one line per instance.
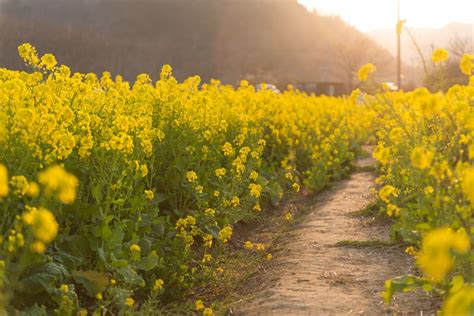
(311, 275)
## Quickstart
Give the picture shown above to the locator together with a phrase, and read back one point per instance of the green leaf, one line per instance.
(149, 262)
(130, 276)
(77, 246)
(105, 232)
(69, 261)
(97, 193)
(42, 278)
(93, 281)
(405, 283)
(116, 239)
(34, 310)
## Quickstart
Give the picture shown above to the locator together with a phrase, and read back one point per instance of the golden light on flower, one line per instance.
(435, 258)
(4, 189)
(191, 176)
(129, 301)
(48, 61)
(439, 55)
(158, 285)
(365, 71)
(57, 181)
(149, 195)
(421, 158)
(467, 64)
(467, 185)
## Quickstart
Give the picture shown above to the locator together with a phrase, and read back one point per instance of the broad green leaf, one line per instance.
(149, 262)
(93, 281)
(42, 278)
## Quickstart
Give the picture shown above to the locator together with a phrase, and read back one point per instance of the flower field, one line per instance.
(116, 195)
(426, 154)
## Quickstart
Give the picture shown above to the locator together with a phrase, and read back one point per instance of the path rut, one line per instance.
(310, 275)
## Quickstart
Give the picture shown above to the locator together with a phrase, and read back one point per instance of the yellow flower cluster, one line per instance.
(435, 258)
(43, 225)
(425, 144)
(57, 181)
(365, 71)
(439, 55)
(143, 163)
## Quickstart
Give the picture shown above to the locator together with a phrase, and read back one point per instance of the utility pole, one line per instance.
(399, 58)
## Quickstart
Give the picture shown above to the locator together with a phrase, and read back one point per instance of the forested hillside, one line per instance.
(275, 41)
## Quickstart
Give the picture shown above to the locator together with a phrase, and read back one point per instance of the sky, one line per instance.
(369, 15)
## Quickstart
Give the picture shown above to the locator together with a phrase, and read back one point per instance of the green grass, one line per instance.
(364, 243)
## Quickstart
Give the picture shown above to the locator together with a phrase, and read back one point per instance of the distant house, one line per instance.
(329, 88)
(322, 79)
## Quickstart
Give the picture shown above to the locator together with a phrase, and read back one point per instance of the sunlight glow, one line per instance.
(368, 15)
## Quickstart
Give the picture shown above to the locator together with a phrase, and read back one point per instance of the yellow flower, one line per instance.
(220, 172)
(20, 184)
(210, 212)
(260, 247)
(149, 194)
(159, 283)
(365, 71)
(206, 258)
(257, 207)
(207, 238)
(468, 185)
(467, 64)
(199, 305)
(255, 190)
(253, 175)
(439, 55)
(235, 201)
(43, 224)
(421, 158)
(269, 257)
(82, 312)
(288, 216)
(64, 288)
(225, 234)
(386, 192)
(37, 246)
(461, 302)
(428, 190)
(227, 149)
(129, 301)
(28, 54)
(393, 210)
(3, 181)
(58, 181)
(396, 135)
(199, 189)
(144, 170)
(48, 61)
(435, 258)
(410, 250)
(296, 187)
(33, 190)
(207, 312)
(135, 248)
(382, 154)
(191, 176)
(248, 245)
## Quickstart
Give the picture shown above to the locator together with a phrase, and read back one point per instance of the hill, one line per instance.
(275, 41)
(456, 37)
